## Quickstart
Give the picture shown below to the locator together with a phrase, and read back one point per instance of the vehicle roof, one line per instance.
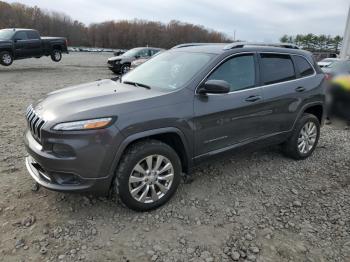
(219, 48)
(19, 29)
(147, 47)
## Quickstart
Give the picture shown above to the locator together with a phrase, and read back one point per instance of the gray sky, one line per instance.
(255, 20)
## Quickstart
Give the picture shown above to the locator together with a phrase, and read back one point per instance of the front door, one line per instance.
(20, 41)
(224, 120)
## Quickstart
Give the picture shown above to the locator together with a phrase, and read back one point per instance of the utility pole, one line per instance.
(345, 49)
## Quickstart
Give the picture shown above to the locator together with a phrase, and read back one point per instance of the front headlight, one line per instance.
(84, 124)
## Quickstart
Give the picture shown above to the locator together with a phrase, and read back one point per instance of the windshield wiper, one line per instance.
(136, 84)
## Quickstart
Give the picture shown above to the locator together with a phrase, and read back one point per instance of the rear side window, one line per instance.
(154, 51)
(238, 71)
(276, 68)
(32, 35)
(303, 66)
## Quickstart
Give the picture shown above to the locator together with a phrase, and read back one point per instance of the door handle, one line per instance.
(300, 89)
(253, 98)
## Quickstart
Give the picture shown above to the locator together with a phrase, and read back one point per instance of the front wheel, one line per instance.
(304, 138)
(56, 55)
(124, 69)
(6, 58)
(148, 175)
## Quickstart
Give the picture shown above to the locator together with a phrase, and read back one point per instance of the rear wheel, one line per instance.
(56, 55)
(6, 58)
(148, 175)
(304, 138)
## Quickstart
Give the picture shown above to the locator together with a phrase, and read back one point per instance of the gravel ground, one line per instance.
(248, 207)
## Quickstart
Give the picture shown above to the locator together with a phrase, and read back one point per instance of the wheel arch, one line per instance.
(56, 46)
(8, 50)
(171, 136)
(316, 110)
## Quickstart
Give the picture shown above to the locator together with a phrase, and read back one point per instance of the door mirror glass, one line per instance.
(214, 87)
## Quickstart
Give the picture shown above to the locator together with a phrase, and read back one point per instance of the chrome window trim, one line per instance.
(257, 87)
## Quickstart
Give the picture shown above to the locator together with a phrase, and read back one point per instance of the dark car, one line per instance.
(26, 43)
(137, 135)
(121, 64)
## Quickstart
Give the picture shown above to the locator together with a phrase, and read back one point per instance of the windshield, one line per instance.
(132, 52)
(169, 70)
(6, 34)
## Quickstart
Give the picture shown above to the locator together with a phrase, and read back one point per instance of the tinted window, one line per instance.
(32, 35)
(143, 53)
(238, 71)
(304, 67)
(154, 51)
(21, 36)
(276, 68)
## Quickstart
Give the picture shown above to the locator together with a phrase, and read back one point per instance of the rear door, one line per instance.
(224, 120)
(34, 43)
(284, 90)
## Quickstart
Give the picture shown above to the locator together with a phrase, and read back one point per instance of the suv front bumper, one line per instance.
(88, 169)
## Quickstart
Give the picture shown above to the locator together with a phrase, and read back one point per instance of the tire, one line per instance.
(124, 69)
(147, 192)
(306, 130)
(6, 58)
(56, 55)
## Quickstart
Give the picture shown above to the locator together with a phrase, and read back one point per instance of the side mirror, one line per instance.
(137, 56)
(214, 87)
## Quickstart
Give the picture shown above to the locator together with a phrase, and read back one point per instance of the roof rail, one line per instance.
(193, 44)
(247, 44)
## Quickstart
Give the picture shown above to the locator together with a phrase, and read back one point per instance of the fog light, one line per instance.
(62, 150)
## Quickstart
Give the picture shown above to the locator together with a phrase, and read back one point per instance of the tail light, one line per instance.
(328, 77)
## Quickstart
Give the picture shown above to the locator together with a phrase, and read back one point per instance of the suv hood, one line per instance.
(93, 100)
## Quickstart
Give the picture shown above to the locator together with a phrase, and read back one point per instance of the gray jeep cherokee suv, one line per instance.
(138, 134)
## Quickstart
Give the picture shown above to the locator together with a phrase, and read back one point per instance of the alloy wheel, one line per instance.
(57, 55)
(125, 69)
(6, 58)
(307, 138)
(151, 179)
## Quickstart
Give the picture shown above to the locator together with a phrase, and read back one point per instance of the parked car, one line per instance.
(327, 62)
(137, 135)
(26, 43)
(121, 64)
(340, 67)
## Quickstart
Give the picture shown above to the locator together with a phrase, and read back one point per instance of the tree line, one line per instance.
(111, 34)
(315, 43)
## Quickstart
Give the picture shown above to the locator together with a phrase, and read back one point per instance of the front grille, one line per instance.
(35, 123)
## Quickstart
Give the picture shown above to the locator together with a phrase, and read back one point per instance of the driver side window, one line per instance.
(21, 36)
(238, 71)
(143, 53)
